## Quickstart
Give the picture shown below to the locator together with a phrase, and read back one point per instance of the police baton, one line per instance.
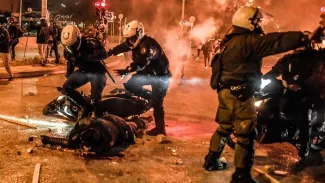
(109, 74)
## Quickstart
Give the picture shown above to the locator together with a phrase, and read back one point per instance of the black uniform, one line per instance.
(88, 58)
(152, 67)
(238, 75)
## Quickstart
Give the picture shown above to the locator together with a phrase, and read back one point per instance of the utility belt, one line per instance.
(241, 91)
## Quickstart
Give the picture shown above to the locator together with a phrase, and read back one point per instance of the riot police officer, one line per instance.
(151, 66)
(86, 53)
(236, 74)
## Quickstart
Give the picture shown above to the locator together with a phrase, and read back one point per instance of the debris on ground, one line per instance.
(31, 94)
(30, 150)
(174, 152)
(161, 138)
(280, 172)
(268, 169)
(31, 138)
(36, 174)
(179, 162)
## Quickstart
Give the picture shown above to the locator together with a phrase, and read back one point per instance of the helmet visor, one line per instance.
(262, 17)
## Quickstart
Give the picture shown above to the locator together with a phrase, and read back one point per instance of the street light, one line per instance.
(183, 10)
(120, 16)
(192, 20)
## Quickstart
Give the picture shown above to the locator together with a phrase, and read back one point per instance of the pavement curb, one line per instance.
(49, 71)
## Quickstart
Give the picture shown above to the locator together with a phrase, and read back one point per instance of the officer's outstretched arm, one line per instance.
(274, 43)
(124, 47)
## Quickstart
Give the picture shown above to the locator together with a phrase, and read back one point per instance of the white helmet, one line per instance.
(249, 17)
(70, 37)
(133, 32)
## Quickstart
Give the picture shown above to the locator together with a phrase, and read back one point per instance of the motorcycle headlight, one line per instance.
(265, 82)
(258, 103)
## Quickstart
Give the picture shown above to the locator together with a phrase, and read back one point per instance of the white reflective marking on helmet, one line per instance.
(66, 35)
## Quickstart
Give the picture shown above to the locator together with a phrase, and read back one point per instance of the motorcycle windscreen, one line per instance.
(56, 108)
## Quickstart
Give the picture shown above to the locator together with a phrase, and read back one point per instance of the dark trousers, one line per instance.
(80, 78)
(13, 49)
(56, 51)
(238, 117)
(159, 86)
(198, 52)
(298, 106)
(206, 59)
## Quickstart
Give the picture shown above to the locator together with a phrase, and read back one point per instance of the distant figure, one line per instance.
(42, 39)
(4, 50)
(199, 47)
(55, 32)
(15, 33)
(207, 48)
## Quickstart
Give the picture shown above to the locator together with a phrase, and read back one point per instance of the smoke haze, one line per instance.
(213, 18)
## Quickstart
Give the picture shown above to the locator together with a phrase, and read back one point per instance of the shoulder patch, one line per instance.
(143, 51)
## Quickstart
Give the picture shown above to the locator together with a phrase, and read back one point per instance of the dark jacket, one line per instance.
(148, 57)
(244, 50)
(4, 40)
(15, 31)
(88, 58)
(55, 32)
(43, 32)
(207, 47)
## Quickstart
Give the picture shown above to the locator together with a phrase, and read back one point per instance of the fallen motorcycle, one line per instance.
(118, 102)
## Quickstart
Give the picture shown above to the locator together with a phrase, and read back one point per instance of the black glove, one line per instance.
(123, 72)
(110, 53)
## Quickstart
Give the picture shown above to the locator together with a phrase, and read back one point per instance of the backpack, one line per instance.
(216, 65)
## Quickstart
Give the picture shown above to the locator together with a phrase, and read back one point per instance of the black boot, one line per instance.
(242, 175)
(160, 123)
(212, 161)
